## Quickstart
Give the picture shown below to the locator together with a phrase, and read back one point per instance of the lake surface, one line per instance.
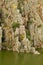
(14, 58)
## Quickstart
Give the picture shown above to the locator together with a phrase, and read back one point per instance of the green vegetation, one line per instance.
(21, 37)
(20, 3)
(1, 17)
(15, 25)
(28, 34)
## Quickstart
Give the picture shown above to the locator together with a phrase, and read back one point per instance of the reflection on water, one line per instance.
(14, 58)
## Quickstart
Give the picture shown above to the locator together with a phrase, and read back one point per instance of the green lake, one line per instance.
(14, 58)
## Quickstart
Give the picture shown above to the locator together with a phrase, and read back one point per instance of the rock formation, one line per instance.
(22, 25)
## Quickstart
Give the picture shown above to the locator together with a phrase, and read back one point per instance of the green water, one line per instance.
(14, 58)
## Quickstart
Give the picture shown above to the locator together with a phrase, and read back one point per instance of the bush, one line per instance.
(21, 37)
(15, 25)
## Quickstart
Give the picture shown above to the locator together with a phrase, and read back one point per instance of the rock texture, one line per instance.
(22, 25)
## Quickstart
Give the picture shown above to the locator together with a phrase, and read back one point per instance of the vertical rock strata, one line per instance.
(22, 25)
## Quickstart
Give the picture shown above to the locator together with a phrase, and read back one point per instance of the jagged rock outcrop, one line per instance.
(22, 25)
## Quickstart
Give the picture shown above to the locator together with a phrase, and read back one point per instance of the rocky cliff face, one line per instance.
(22, 25)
